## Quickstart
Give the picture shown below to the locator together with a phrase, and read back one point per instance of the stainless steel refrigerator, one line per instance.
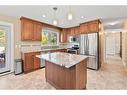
(88, 44)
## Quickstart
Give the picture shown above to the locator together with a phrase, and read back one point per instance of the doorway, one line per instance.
(113, 46)
(6, 55)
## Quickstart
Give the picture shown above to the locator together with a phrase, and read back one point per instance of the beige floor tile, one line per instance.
(110, 76)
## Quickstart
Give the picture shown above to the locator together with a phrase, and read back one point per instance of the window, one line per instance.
(50, 37)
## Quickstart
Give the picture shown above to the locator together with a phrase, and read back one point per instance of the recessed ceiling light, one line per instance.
(82, 16)
(55, 22)
(43, 15)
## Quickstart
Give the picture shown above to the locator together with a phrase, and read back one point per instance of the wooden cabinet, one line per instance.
(66, 33)
(63, 36)
(36, 61)
(93, 26)
(89, 27)
(27, 29)
(84, 28)
(58, 50)
(72, 31)
(30, 30)
(37, 31)
(30, 61)
(76, 29)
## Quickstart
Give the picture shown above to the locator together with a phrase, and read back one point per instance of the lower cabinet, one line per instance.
(36, 61)
(59, 50)
(30, 61)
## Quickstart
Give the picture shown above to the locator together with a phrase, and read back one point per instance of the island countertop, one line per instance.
(63, 59)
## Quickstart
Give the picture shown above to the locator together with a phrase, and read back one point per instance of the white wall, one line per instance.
(124, 45)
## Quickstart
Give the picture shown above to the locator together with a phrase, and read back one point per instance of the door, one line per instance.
(110, 45)
(4, 49)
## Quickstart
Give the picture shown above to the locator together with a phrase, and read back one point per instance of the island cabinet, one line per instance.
(30, 30)
(65, 71)
(74, 77)
(30, 61)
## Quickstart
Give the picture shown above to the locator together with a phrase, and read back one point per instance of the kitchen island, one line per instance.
(65, 71)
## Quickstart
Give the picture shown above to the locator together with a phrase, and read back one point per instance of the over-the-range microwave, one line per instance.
(73, 39)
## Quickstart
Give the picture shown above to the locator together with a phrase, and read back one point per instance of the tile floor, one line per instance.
(110, 76)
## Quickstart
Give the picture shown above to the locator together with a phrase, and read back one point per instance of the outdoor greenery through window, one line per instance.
(50, 37)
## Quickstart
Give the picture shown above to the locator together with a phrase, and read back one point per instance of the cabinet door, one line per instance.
(27, 28)
(84, 28)
(68, 34)
(36, 61)
(77, 31)
(93, 26)
(64, 36)
(37, 31)
(72, 31)
(28, 62)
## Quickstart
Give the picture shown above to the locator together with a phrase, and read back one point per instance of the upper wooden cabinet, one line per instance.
(84, 28)
(27, 29)
(76, 29)
(37, 31)
(30, 30)
(72, 31)
(66, 33)
(63, 36)
(93, 26)
(89, 27)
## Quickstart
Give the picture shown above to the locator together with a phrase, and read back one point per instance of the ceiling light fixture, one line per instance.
(70, 16)
(43, 16)
(55, 22)
(82, 16)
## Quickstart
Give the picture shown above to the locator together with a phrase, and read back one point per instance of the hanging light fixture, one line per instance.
(55, 22)
(70, 16)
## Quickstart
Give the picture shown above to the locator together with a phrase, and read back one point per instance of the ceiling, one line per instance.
(106, 13)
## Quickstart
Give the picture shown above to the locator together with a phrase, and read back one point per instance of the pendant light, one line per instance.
(70, 16)
(55, 22)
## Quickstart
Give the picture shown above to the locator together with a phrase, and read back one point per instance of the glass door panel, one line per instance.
(4, 64)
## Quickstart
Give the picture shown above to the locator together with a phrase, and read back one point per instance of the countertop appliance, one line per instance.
(88, 44)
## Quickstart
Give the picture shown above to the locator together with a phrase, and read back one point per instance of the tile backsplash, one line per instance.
(27, 46)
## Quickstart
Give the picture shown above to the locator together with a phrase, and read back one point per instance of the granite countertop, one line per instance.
(63, 59)
(40, 50)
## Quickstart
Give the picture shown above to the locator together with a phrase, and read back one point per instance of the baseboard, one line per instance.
(6, 73)
(125, 65)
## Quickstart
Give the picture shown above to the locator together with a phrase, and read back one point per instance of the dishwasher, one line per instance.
(43, 61)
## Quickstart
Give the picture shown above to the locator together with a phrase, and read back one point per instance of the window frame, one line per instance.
(51, 31)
